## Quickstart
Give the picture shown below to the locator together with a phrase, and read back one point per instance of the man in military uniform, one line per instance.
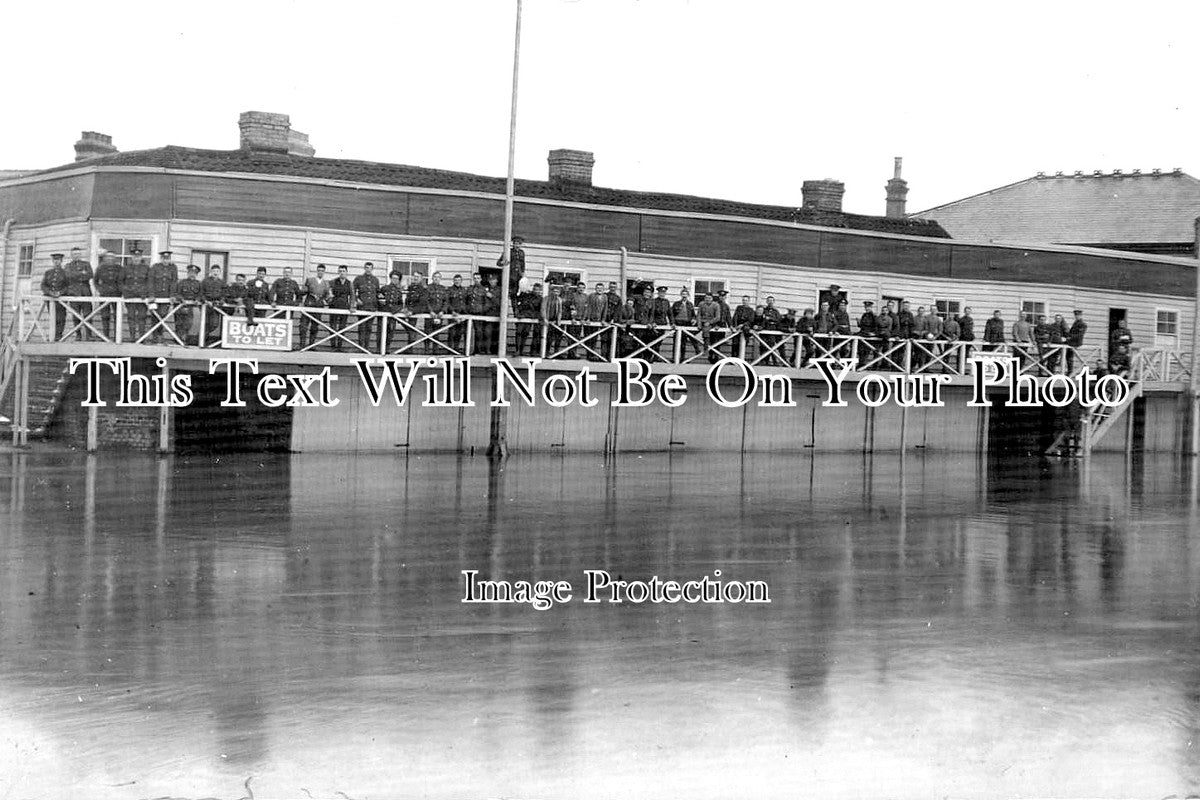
(391, 301)
(54, 283)
(456, 306)
(110, 278)
(595, 311)
(436, 302)
(135, 283)
(743, 321)
(683, 313)
(552, 315)
(708, 317)
(316, 295)
(366, 300)
(1075, 336)
(491, 308)
(164, 276)
(188, 294)
(476, 303)
(415, 304)
(806, 326)
(993, 331)
(516, 266)
(284, 291)
(772, 321)
(341, 297)
(212, 292)
(79, 284)
(258, 292)
(238, 294)
(528, 309)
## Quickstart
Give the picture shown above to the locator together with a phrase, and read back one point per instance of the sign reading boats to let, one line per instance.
(266, 334)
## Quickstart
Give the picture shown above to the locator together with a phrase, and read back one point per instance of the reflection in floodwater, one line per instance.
(938, 625)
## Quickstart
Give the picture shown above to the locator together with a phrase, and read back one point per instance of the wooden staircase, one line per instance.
(1093, 425)
(48, 379)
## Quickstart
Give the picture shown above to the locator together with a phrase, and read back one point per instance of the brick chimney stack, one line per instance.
(265, 132)
(571, 166)
(897, 193)
(823, 195)
(93, 145)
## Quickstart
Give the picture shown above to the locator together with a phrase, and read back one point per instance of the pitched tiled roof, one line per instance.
(371, 172)
(1114, 208)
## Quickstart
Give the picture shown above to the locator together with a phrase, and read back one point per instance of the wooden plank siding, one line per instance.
(46, 239)
(271, 222)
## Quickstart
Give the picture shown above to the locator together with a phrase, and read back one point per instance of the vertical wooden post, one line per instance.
(92, 428)
(165, 416)
(1195, 385)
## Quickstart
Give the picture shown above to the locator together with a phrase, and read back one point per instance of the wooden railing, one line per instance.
(319, 329)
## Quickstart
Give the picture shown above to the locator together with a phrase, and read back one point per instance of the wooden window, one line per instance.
(701, 288)
(407, 267)
(25, 261)
(947, 309)
(204, 259)
(562, 276)
(1031, 310)
(123, 249)
(1167, 323)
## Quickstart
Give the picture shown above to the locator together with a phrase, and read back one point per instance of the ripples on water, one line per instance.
(938, 626)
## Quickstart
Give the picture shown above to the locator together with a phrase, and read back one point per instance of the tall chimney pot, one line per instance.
(897, 193)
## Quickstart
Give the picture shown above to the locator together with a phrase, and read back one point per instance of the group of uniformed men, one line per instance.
(639, 321)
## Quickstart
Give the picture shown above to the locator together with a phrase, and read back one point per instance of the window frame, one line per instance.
(948, 313)
(546, 272)
(1031, 316)
(148, 253)
(25, 265)
(695, 290)
(406, 276)
(204, 267)
(1162, 339)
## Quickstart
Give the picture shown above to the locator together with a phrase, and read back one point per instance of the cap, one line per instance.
(369, 264)
(193, 268)
(56, 255)
(135, 251)
(164, 252)
(868, 304)
(662, 288)
(1077, 311)
(722, 293)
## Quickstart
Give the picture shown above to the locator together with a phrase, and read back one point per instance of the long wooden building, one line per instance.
(272, 203)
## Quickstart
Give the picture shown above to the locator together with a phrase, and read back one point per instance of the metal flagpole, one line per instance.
(498, 445)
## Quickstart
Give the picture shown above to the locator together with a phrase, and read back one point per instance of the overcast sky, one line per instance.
(740, 100)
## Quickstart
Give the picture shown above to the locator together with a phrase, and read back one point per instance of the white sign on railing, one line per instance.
(267, 334)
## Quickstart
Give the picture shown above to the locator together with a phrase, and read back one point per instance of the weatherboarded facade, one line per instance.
(246, 209)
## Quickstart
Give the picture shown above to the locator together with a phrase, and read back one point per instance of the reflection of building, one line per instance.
(1140, 212)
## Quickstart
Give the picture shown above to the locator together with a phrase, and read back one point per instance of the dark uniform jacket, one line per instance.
(491, 305)
(109, 279)
(966, 328)
(436, 299)
(552, 308)
(708, 315)
(660, 311)
(235, 293)
(771, 318)
(885, 325)
(79, 278)
(456, 299)
(135, 281)
(366, 292)
(477, 299)
(868, 324)
(596, 308)
(743, 316)
(1076, 333)
(284, 292)
(392, 297)
(806, 325)
(993, 331)
(841, 322)
(163, 277)
(416, 298)
(613, 301)
(188, 290)
(905, 322)
(212, 289)
(528, 305)
(1120, 336)
(341, 293)
(54, 282)
(258, 290)
(823, 322)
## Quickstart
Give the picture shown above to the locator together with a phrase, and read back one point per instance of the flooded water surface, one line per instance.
(937, 626)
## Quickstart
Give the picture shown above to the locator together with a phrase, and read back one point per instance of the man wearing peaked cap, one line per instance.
(54, 283)
(164, 277)
(188, 294)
